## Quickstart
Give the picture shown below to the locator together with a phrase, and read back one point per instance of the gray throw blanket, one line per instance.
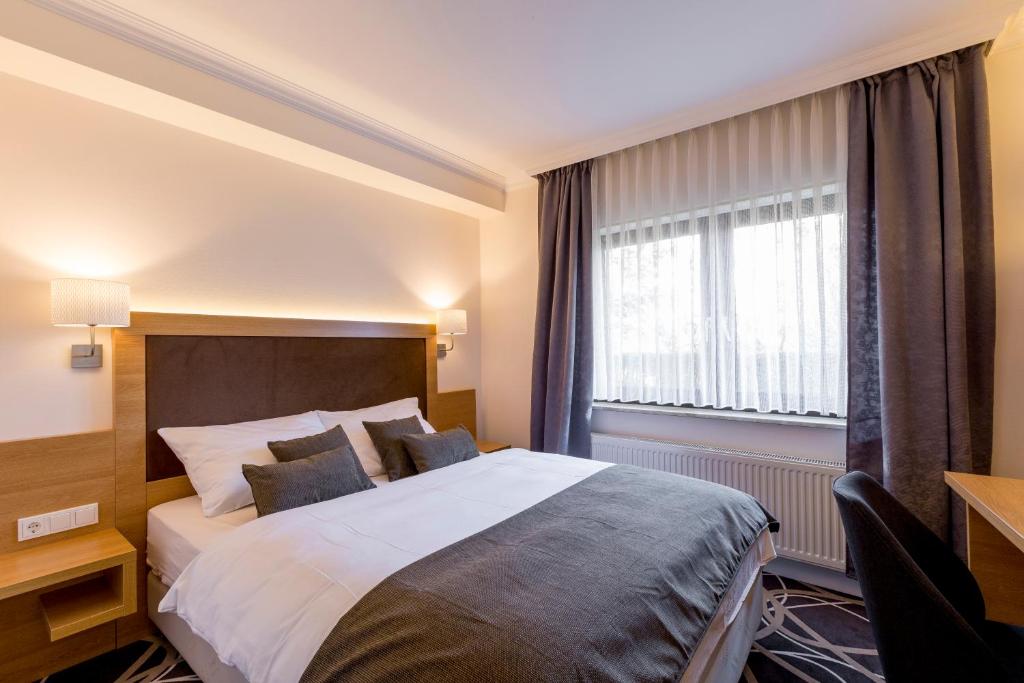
(613, 579)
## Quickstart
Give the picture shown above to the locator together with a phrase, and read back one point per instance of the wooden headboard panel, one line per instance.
(272, 340)
(205, 380)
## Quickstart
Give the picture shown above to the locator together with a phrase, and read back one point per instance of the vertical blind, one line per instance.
(720, 264)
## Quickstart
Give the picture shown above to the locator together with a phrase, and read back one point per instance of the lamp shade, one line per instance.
(79, 303)
(451, 321)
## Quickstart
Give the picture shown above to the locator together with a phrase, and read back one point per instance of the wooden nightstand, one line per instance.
(92, 576)
(491, 446)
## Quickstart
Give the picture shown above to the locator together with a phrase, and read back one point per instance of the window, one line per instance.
(720, 264)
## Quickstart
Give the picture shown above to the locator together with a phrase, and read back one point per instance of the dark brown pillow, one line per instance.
(305, 446)
(285, 485)
(387, 439)
(434, 451)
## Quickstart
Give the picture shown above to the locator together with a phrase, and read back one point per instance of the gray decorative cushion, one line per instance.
(305, 446)
(433, 451)
(324, 476)
(387, 439)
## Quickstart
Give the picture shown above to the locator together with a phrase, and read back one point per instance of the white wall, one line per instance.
(1006, 107)
(195, 225)
(508, 284)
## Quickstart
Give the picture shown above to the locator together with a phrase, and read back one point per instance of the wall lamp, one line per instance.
(452, 322)
(89, 303)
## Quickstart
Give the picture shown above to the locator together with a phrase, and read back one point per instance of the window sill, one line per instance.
(722, 414)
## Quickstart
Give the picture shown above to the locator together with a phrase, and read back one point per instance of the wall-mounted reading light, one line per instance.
(92, 304)
(451, 321)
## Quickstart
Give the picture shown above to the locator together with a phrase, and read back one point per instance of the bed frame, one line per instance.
(187, 370)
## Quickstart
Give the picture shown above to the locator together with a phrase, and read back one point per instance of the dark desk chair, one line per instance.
(925, 607)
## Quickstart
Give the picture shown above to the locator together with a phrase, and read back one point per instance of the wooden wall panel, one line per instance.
(163, 490)
(432, 395)
(227, 325)
(455, 408)
(43, 475)
(129, 358)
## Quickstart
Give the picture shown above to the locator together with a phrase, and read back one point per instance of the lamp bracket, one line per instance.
(442, 349)
(87, 355)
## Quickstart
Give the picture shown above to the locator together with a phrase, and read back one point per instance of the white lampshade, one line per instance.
(78, 303)
(452, 321)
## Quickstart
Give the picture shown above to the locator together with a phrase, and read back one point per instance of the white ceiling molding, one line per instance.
(898, 53)
(1012, 36)
(69, 76)
(113, 20)
(514, 185)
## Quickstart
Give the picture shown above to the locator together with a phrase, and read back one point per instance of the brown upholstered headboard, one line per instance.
(205, 380)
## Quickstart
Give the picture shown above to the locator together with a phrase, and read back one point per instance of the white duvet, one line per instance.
(267, 595)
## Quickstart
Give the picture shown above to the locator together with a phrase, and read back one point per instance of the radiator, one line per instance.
(797, 491)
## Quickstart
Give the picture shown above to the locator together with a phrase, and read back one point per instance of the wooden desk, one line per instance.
(995, 540)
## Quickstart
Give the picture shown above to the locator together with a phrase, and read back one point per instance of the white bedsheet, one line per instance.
(266, 595)
(177, 531)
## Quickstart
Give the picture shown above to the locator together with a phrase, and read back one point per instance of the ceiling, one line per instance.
(516, 87)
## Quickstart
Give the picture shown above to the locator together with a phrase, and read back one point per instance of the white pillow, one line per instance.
(213, 456)
(352, 422)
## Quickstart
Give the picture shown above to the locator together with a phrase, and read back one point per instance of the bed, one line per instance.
(517, 565)
(446, 506)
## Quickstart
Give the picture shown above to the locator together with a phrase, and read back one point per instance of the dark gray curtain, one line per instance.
(921, 281)
(563, 351)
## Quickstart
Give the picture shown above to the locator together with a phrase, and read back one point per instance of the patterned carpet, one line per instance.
(811, 634)
(807, 634)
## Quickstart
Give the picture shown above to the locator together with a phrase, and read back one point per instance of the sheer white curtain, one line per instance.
(720, 264)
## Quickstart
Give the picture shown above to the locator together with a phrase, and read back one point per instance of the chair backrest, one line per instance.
(924, 605)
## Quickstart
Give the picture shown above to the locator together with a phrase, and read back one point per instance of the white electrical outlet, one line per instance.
(33, 527)
(57, 521)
